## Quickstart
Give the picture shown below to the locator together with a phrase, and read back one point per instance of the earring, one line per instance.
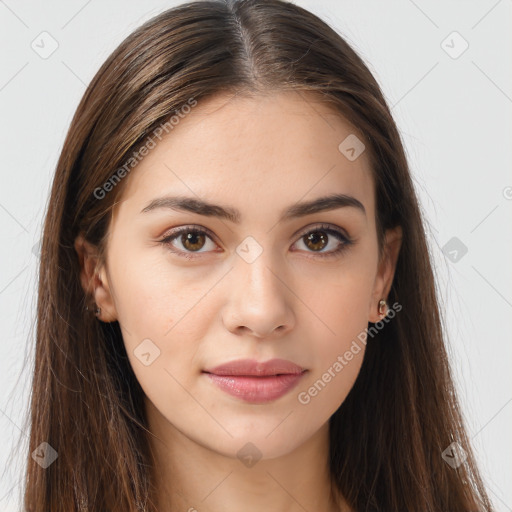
(382, 307)
(97, 310)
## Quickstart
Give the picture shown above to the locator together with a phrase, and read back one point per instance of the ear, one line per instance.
(94, 279)
(385, 272)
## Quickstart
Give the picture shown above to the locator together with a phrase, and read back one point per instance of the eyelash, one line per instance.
(325, 228)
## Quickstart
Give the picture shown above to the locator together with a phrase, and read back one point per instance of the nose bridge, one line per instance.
(256, 268)
(259, 300)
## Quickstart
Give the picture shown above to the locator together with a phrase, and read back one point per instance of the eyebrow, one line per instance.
(201, 207)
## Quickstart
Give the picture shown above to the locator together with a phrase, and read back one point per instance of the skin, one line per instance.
(259, 155)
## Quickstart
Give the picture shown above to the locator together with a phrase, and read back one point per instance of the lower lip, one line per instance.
(256, 389)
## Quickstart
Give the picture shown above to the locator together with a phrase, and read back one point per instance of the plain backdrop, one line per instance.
(445, 70)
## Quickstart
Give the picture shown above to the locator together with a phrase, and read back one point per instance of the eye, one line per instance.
(193, 239)
(317, 239)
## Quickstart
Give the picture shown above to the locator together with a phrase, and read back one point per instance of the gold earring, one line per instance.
(382, 307)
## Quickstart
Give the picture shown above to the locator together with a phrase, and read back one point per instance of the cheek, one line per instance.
(340, 297)
(338, 353)
(338, 328)
(163, 314)
(338, 350)
(161, 324)
(152, 294)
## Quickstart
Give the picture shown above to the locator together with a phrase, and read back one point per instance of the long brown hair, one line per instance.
(387, 438)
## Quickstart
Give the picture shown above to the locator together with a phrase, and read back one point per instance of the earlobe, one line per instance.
(94, 281)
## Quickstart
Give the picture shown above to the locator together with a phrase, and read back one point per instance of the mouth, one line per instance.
(256, 382)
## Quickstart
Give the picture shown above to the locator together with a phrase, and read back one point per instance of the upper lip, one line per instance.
(258, 368)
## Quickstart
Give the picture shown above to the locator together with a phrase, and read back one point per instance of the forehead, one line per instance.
(273, 149)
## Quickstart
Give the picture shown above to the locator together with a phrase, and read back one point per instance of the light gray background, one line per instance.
(455, 118)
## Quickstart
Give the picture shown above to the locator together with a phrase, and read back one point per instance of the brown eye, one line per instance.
(324, 242)
(316, 240)
(193, 241)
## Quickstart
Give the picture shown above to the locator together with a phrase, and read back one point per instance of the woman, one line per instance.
(237, 309)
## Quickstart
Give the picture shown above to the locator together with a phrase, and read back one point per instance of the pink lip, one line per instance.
(256, 382)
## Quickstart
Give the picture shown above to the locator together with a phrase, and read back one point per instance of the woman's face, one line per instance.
(271, 278)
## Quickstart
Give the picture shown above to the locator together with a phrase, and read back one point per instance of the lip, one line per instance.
(254, 381)
(248, 367)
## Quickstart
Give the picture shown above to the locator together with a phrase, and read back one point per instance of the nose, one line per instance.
(259, 300)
